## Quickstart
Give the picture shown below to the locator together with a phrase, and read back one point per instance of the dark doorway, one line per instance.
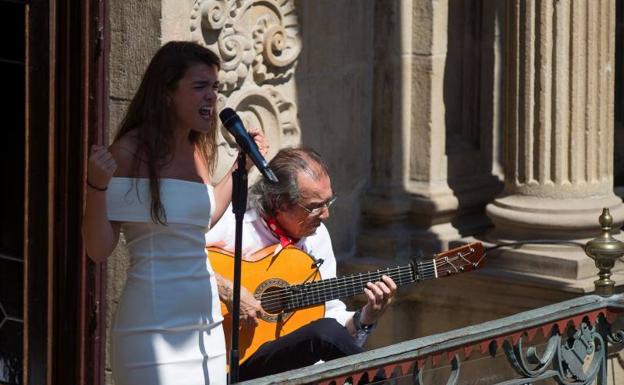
(12, 68)
(53, 70)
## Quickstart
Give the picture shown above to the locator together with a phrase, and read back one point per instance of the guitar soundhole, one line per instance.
(273, 295)
(274, 300)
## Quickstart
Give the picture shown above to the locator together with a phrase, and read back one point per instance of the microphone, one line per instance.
(234, 125)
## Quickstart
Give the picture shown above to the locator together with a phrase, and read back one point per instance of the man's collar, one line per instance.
(279, 232)
(251, 215)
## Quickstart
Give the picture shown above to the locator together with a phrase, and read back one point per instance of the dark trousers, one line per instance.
(323, 339)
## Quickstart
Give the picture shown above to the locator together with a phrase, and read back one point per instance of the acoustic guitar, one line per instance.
(289, 287)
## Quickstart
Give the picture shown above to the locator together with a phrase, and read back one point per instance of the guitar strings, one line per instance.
(400, 269)
(319, 286)
(286, 296)
(363, 277)
(329, 285)
(325, 287)
(310, 294)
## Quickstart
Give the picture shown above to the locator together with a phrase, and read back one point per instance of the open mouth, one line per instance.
(206, 112)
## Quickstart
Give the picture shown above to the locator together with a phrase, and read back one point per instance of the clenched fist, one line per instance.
(101, 167)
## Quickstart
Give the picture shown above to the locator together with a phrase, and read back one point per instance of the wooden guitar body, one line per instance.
(265, 279)
(292, 294)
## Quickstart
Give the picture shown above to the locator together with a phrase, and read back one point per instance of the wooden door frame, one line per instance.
(66, 110)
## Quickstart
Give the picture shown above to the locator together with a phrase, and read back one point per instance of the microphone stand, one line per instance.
(239, 206)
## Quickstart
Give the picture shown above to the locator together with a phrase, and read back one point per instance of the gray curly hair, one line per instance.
(267, 197)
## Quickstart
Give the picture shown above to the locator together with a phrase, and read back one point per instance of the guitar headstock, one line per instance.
(460, 259)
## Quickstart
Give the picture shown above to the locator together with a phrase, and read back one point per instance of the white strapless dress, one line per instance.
(167, 328)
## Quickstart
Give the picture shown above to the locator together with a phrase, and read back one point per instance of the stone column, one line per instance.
(435, 110)
(558, 133)
(385, 207)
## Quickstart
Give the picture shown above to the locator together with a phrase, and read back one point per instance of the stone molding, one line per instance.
(259, 44)
(261, 107)
(257, 36)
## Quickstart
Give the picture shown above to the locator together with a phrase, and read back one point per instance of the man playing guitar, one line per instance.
(282, 216)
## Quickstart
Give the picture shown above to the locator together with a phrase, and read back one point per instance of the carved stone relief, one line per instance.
(258, 42)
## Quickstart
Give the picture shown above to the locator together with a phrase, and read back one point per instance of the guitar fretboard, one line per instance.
(314, 293)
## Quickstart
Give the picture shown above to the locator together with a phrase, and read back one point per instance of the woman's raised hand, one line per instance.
(263, 146)
(101, 167)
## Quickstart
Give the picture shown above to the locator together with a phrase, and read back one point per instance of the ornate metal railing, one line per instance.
(573, 349)
(565, 343)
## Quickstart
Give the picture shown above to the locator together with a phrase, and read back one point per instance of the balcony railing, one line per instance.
(563, 343)
(575, 334)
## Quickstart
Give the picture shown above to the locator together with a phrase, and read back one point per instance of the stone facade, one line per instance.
(441, 121)
(559, 137)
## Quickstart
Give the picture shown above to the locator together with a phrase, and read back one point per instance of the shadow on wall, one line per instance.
(333, 96)
(473, 115)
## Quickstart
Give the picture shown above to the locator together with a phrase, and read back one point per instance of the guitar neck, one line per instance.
(314, 293)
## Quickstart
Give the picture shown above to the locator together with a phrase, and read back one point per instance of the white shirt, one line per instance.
(256, 236)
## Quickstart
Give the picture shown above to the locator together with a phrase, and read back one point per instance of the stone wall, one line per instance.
(335, 102)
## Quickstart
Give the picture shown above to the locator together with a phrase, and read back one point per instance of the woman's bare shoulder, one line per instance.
(125, 152)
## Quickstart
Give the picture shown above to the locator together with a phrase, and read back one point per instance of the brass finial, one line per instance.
(605, 250)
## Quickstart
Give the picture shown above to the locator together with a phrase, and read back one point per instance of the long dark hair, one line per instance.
(151, 116)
